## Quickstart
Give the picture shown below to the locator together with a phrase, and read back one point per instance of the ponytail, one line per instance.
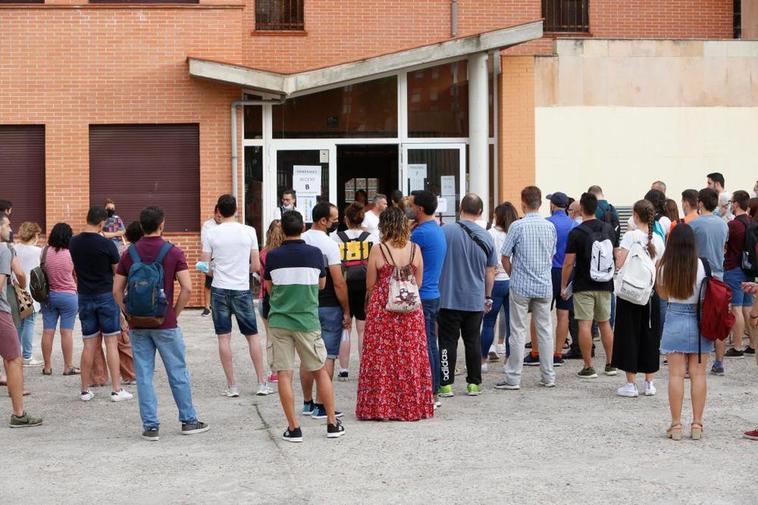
(650, 225)
(646, 212)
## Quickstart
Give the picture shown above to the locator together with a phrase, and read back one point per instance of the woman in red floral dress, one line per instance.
(395, 382)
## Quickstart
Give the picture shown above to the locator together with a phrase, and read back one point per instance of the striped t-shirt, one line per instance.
(294, 270)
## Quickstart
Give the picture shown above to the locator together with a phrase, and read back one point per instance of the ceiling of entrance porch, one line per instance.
(311, 81)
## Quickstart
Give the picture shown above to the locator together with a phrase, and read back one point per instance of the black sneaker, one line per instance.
(293, 435)
(194, 428)
(748, 350)
(151, 435)
(587, 373)
(572, 354)
(734, 353)
(205, 312)
(557, 360)
(528, 345)
(335, 430)
(343, 375)
(319, 412)
(531, 360)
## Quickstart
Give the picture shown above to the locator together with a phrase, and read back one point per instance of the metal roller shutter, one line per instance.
(22, 172)
(142, 165)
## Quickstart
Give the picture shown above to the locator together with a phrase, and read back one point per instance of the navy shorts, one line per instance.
(331, 329)
(560, 303)
(99, 314)
(230, 302)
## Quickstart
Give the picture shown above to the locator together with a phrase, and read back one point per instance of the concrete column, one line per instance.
(478, 127)
(750, 19)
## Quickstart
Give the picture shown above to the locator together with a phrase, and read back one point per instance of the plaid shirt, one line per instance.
(530, 244)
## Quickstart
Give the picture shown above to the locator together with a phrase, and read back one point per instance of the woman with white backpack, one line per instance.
(637, 328)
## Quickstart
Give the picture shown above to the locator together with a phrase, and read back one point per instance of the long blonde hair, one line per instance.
(274, 235)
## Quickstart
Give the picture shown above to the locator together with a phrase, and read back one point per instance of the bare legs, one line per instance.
(679, 363)
(111, 356)
(324, 391)
(67, 347)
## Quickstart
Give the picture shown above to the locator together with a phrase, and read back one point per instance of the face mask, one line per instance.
(111, 212)
(332, 228)
(288, 207)
(578, 220)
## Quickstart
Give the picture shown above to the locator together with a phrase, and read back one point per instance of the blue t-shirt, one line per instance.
(463, 272)
(711, 233)
(563, 225)
(431, 240)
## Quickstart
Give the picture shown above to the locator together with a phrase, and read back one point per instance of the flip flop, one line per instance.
(47, 372)
(72, 371)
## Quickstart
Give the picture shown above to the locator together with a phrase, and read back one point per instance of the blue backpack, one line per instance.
(146, 302)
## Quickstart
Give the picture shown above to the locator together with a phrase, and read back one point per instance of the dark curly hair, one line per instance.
(394, 227)
(60, 236)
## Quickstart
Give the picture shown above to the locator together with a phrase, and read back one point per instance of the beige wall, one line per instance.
(622, 114)
(750, 19)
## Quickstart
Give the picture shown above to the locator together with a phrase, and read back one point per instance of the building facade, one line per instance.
(174, 103)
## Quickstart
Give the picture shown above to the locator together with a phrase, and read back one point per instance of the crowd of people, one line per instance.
(409, 284)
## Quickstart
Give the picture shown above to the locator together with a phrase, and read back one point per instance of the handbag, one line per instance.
(24, 302)
(403, 295)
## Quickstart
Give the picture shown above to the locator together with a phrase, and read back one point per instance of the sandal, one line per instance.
(47, 372)
(72, 371)
(675, 431)
(697, 431)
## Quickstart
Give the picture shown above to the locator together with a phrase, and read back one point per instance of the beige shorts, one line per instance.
(592, 305)
(309, 345)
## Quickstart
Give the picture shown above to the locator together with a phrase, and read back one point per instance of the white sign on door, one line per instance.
(306, 180)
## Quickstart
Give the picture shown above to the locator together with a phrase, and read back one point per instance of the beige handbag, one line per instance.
(24, 302)
(403, 293)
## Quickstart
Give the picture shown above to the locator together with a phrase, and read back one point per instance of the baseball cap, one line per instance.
(559, 199)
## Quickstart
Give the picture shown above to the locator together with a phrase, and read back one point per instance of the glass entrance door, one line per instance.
(439, 168)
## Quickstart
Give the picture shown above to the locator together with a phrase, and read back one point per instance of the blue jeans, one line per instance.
(170, 345)
(431, 311)
(500, 292)
(734, 279)
(25, 331)
(99, 314)
(228, 302)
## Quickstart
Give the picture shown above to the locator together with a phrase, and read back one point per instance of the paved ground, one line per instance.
(577, 443)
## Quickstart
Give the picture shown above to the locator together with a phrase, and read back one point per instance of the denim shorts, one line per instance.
(558, 300)
(734, 279)
(681, 332)
(99, 314)
(228, 302)
(331, 329)
(60, 305)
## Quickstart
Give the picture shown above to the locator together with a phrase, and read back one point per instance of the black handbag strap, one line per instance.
(484, 247)
(703, 285)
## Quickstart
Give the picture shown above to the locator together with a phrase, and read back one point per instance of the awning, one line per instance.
(309, 81)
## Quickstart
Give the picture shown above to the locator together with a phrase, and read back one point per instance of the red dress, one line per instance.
(395, 382)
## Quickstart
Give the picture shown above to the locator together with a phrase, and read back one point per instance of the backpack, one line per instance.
(610, 216)
(715, 320)
(38, 285)
(750, 249)
(636, 279)
(146, 303)
(602, 264)
(403, 295)
(354, 255)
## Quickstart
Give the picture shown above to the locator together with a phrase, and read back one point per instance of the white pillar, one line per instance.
(478, 128)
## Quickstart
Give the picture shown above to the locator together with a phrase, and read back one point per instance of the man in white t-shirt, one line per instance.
(333, 305)
(234, 249)
(371, 219)
(207, 226)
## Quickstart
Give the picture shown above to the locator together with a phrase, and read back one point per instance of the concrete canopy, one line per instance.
(310, 81)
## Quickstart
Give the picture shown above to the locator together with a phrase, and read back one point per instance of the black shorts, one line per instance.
(558, 300)
(208, 281)
(356, 298)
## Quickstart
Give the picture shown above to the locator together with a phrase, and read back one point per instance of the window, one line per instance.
(438, 101)
(142, 165)
(737, 18)
(279, 15)
(364, 110)
(144, 1)
(566, 15)
(22, 2)
(22, 172)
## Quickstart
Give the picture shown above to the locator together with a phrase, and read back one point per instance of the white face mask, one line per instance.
(753, 194)
(578, 220)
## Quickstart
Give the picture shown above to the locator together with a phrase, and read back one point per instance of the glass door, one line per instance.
(439, 168)
(307, 169)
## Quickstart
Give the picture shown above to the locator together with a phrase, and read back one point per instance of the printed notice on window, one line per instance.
(448, 185)
(306, 180)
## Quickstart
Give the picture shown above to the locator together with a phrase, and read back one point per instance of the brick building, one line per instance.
(134, 101)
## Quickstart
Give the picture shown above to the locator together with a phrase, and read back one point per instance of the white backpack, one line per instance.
(602, 264)
(636, 279)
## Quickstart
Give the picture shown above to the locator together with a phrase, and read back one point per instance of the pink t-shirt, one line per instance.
(60, 271)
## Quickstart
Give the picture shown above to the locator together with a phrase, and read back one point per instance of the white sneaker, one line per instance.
(231, 392)
(121, 395)
(649, 388)
(628, 390)
(264, 390)
(86, 396)
(485, 368)
(500, 349)
(32, 362)
(543, 383)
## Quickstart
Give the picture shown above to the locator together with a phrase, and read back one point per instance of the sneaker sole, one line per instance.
(259, 393)
(118, 400)
(547, 384)
(150, 439)
(749, 437)
(28, 425)
(446, 395)
(508, 388)
(230, 396)
(726, 356)
(611, 374)
(593, 376)
(532, 364)
(719, 374)
(195, 432)
(649, 394)
(295, 440)
(473, 393)
(624, 395)
(335, 435)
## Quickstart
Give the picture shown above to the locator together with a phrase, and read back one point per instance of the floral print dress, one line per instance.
(395, 381)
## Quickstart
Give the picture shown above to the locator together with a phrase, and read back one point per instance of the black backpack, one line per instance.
(354, 256)
(610, 216)
(750, 249)
(38, 285)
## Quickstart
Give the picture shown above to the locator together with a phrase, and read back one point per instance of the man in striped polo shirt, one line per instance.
(294, 275)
